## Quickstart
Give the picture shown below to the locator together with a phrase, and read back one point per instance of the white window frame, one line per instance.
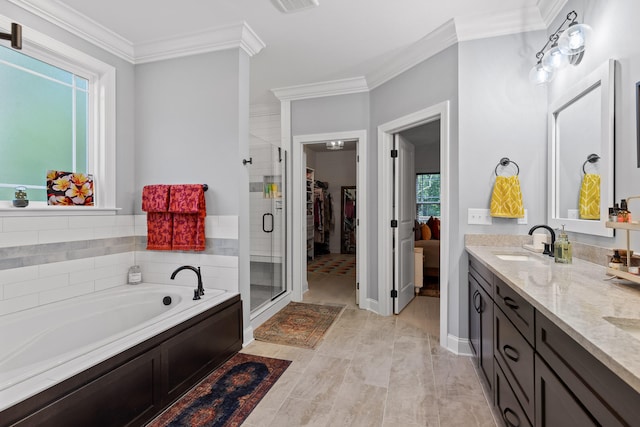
(102, 122)
(439, 200)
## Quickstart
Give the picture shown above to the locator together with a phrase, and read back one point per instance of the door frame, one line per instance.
(385, 210)
(299, 232)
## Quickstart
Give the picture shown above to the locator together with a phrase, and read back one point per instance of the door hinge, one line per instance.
(357, 223)
(394, 293)
(394, 223)
(358, 159)
(394, 154)
(357, 285)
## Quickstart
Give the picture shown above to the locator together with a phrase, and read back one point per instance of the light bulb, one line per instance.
(574, 39)
(554, 59)
(540, 75)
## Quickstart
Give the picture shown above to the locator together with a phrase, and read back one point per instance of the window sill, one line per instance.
(41, 209)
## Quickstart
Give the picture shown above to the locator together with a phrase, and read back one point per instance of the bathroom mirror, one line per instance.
(581, 141)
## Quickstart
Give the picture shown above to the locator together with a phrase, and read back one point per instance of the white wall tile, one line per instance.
(124, 258)
(55, 268)
(14, 290)
(93, 221)
(67, 292)
(17, 304)
(20, 274)
(110, 282)
(36, 223)
(70, 235)
(18, 238)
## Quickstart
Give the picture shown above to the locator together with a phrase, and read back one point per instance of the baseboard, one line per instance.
(459, 346)
(247, 336)
(371, 305)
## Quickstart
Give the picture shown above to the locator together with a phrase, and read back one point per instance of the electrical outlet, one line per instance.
(479, 216)
(525, 219)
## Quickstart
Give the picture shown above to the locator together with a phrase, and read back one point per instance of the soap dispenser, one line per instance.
(562, 248)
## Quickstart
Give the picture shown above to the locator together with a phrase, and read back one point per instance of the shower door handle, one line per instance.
(264, 228)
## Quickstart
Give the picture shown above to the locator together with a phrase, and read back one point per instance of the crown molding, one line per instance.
(494, 24)
(317, 90)
(549, 10)
(428, 46)
(238, 35)
(80, 25)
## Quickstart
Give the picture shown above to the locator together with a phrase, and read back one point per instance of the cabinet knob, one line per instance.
(509, 302)
(511, 352)
(511, 418)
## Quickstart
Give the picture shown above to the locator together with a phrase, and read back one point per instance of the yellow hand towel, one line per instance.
(506, 200)
(590, 196)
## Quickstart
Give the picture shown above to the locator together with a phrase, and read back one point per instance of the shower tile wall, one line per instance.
(46, 259)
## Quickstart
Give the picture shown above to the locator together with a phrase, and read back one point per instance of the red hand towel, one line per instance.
(155, 201)
(187, 204)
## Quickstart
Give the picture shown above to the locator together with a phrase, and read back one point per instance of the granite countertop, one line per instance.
(577, 297)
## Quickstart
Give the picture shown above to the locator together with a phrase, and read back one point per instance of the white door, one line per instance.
(405, 214)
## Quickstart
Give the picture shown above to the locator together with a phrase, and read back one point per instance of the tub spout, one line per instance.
(197, 293)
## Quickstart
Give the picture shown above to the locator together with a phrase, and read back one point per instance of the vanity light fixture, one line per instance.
(335, 145)
(15, 36)
(565, 46)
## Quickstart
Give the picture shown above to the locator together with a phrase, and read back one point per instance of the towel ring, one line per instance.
(505, 162)
(591, 158)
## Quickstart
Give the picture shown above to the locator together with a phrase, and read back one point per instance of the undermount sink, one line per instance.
(513, 257)
(630, 326)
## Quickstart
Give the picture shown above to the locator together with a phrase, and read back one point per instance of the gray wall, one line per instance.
(330, 114)
(429, 83)
(125, 99)
(189, 126)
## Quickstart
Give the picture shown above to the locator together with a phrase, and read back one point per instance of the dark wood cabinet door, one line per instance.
(486, 336)
(474, 316)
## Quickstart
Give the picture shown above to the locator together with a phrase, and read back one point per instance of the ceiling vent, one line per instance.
(288, 6)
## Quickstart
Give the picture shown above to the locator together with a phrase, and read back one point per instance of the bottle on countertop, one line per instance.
(562, 248)
(623, 214)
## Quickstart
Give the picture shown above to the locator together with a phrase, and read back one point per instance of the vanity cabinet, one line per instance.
(481, 322)
(540, 376)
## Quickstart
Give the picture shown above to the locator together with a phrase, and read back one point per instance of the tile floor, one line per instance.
(372, 371)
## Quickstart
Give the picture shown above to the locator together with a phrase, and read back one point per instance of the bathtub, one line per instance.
(43, 346)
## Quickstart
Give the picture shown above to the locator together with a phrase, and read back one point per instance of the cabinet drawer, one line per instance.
(517, 309)
(608, 398)
(515, 356)
(512, 413)
(557, 406)
(482, 275)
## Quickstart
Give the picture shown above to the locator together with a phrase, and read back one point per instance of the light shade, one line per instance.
(540, 75)
(335, 145)
(574, 39)
(554, 59)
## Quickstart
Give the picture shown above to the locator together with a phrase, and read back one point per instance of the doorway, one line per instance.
(386, 133)
(300, 241)
(331, 271)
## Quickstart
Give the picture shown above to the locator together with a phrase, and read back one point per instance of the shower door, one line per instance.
(268, 222)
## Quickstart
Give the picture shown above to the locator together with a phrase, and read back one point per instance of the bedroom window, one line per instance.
(427, 196)
(58, 113)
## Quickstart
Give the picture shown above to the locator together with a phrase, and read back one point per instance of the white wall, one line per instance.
(339, 169)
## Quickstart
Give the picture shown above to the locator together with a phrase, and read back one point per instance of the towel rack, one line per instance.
(505, 162)
(205, 187)
(591, 158)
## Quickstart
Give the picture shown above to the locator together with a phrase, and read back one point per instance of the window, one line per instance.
(44, 123)
(427, 196)
(57, 112)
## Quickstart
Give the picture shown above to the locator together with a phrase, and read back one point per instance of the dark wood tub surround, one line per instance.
(131, 388)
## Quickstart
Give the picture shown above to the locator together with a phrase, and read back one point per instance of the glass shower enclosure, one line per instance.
(268, 183)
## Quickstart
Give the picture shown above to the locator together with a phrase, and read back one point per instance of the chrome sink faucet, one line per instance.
(197, 293)
(548, 247)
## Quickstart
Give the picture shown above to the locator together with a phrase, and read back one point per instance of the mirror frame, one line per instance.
(603, 77)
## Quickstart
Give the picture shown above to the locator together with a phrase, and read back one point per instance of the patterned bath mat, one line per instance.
(342, 264)
(298, 324)
(227, 396)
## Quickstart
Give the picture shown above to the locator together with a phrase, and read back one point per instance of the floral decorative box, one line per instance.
(69, 189)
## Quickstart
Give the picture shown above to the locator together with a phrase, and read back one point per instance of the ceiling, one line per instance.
(339, 39)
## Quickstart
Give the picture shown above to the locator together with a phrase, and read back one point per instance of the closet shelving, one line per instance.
(310, 179)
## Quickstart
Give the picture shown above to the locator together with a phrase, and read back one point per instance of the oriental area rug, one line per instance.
(299, 324)
(227, 396)
(342, 264)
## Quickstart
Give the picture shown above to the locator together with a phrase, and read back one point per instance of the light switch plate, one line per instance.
(479, 216)
(525, 219)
